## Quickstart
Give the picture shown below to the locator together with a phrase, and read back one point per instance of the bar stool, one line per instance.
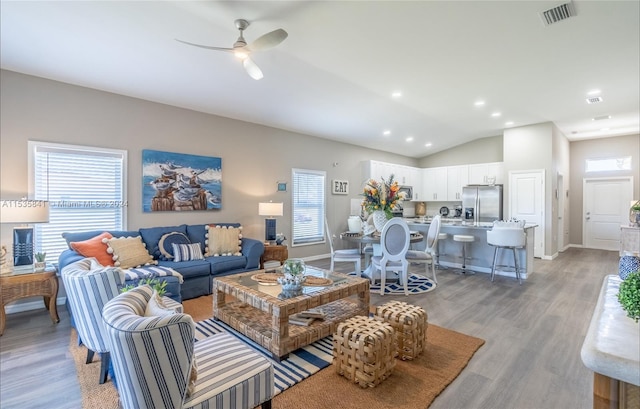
(506, 238)
(441, 237)
(464, 239)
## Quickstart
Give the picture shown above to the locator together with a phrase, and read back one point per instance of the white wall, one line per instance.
(599, 148)
(481, 150)
(254, 157)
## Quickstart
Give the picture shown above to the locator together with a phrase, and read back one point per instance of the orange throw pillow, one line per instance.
(95, 247)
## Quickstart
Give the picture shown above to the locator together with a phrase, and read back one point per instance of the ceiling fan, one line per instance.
(243, 50)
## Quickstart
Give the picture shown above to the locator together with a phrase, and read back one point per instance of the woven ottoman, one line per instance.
(410, 325)
(364, 350)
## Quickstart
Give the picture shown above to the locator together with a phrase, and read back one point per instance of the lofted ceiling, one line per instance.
(334, 75)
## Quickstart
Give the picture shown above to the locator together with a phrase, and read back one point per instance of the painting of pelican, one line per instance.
(180, 182)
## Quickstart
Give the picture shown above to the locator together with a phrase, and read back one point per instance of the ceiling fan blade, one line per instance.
(205, 46)
(268, 40)
(252, 69)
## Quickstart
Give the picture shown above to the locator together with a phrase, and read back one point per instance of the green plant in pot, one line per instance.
(40, 263)
(629, 295)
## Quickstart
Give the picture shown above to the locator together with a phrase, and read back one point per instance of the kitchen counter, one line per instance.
(611, 348)
(479, 252)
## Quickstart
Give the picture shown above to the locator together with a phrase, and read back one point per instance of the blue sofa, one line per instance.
(198, 274)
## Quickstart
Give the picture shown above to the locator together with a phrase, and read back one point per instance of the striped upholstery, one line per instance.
(152, 360)
(89, 286)
(187, 252)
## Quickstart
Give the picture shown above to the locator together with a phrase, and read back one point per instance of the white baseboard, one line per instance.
(30, 305)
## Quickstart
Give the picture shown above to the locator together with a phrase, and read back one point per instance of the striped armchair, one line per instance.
(153, 358)
(89, 286)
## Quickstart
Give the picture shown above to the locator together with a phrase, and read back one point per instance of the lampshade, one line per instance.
(270, 209)
(24, 211)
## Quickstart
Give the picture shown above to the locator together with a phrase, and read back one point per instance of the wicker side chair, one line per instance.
(153, 359)
(89, 286)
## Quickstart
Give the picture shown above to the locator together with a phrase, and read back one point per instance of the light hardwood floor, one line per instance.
(531, 358)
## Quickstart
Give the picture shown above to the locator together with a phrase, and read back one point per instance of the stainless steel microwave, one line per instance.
(408, 190)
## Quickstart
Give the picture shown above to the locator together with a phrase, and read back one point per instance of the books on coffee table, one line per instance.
(313, 313)
(296, 319)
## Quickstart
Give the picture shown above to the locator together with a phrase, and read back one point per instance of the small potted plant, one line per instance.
(40, 263)
(629, 295)
(293, 270)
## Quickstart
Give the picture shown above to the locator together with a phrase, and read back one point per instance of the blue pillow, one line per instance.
(167, 241)
(151, 237)
(187, 252)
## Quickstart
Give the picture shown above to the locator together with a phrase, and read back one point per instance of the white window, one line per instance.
(308, 206)
(608, 164)
(85, 187)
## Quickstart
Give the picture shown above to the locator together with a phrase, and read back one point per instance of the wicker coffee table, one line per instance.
(261, 311)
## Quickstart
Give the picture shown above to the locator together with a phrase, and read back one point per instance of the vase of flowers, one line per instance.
(380, 198)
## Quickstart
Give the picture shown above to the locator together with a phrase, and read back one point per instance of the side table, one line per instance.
(274, 253)
(15, 285)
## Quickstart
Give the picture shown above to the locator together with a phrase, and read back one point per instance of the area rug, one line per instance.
(417, 284)
(446, 355)
(412, 385)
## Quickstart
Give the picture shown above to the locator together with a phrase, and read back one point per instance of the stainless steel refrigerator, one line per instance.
(482, 203)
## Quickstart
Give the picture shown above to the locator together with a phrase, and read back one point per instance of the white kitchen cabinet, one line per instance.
(457, 178)
(434, 184)
(486, 173)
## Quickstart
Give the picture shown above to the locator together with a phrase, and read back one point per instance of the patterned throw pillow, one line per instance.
(95, 247)
(156, 308)
(187, 252)
(223, 241)
(168, 240)
(129, 252)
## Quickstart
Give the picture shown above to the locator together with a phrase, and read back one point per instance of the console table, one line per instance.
(611, 349)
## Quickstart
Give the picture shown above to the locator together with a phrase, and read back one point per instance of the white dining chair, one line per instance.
(343, 255)
(428, 256)
(394, 242)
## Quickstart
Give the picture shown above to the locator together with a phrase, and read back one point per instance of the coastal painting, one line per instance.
(180, 182)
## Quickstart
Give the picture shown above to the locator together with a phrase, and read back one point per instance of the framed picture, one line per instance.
(282, 186)
(340, 187)
(180, 182)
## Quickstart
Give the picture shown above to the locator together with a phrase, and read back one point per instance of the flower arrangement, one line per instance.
(382, 195)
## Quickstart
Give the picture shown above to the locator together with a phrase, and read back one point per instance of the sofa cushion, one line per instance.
(95, 247)
(187, 252)
(152, 235)
(223, 240)
(193, 268)
(86, 235)
(129, 252)
(222, 264)
(168, 240)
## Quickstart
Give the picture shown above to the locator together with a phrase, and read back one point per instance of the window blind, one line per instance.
(85, 187)
(308, 206)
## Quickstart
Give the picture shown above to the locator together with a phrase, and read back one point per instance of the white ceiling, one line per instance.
(334, 74)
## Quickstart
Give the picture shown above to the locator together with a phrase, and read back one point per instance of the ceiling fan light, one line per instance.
(241, 54)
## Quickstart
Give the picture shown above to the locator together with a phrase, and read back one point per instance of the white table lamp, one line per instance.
(270, 210)
(24, 212)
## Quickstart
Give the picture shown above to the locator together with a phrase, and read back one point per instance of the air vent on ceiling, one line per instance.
(558, 13)
(594, 100)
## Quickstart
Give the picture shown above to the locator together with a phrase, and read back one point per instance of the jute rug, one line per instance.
(413, 384)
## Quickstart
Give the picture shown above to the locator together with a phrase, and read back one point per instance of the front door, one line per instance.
(526, 202)
(606, 203)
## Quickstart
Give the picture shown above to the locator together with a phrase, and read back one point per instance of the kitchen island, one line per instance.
(479, 253)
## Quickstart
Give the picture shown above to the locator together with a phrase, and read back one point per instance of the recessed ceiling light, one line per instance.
(409, 139)
(428, 145)
(496, 114)
(478, 103)
(386, 132)
(604, 129)
(593, 92)
(509, 123)
(600, 118)
(396, 94)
